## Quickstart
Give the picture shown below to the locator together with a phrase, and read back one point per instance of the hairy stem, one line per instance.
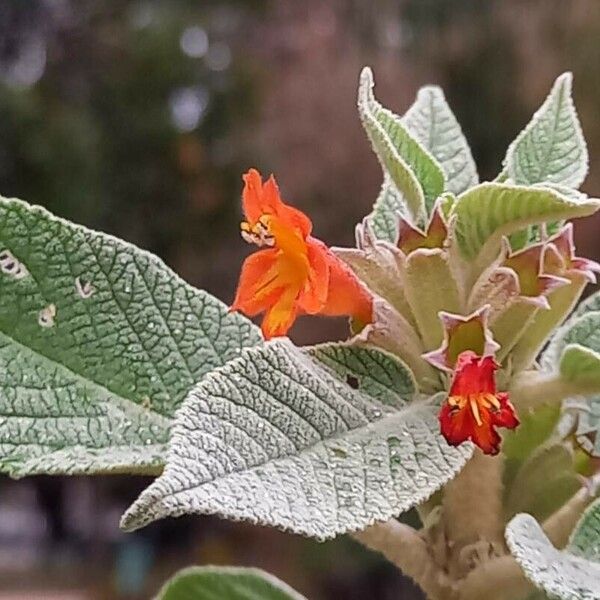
(404, 547)
(472, 507)
(497, 579)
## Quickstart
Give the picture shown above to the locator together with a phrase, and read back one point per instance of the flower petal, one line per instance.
(252, 196)
(260, 199)
(456, 425)
(312, 299)
(473, 375)
(258, 271)
(486, 437)
(346, 294)
(505, 416)
(281, 315)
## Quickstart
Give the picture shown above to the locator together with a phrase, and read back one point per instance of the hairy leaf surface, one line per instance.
(385, 216)
(570, 574)
(575, 350)
(401, 155)
(433, 124)
(99, 344)
(319, 446)
(488, 211)
(226, 583)
(551, 149)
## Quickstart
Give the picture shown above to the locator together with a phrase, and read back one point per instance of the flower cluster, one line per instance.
(294, 273)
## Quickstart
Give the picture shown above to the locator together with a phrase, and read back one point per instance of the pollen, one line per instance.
(258, 234)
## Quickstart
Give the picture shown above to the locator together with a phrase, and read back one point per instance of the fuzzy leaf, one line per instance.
(226, 583)
(388, 208)
(579, 364)
(277, 437)
(585, 540)
(570, 574)
(433, 124)
(414, 171)
(99, 344)
(575, 350)
(590, 304)
(545, 481)
(488, 211)
(551, 149)
(584, 417)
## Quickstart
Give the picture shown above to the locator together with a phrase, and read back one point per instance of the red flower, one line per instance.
(295, 274)
(474, 408)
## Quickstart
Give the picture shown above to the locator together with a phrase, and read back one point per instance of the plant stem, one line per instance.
(497, 579)
(404, 547)
(472, 507)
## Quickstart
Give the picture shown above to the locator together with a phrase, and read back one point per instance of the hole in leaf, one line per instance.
(46, 316)
(339, 452)
(352, 381)
(84, 288)
(11, 266)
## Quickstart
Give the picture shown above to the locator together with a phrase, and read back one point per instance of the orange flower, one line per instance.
(295, 273)
(474, 408)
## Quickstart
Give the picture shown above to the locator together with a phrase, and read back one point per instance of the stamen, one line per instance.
(248, 237)
(458, 401)
(475, 411)
(258, 234)
(493, 401)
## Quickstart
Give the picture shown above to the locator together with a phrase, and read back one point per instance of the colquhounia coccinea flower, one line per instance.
(293, 273)
(474, 409)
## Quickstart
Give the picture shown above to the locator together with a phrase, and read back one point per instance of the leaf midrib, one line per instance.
(162, 420)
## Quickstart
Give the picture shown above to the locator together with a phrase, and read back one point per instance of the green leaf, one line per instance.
(99, 344)
(378, 374)
(590, 304)
(433, 124)
(551, 149)
(509, 326)
(575, 351)
(280, 438)
(535, 428)
(414, 171)
(570, 574)
(489, 211)
(226, 583)
(545, 481)
(387, 210)
(585, 540)
(585, 419)
(581, 365)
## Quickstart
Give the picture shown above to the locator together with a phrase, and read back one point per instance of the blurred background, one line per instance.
(138, 117)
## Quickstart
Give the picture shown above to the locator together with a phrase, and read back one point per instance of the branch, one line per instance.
(472, 508)
(497, 579)
(404, 547)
